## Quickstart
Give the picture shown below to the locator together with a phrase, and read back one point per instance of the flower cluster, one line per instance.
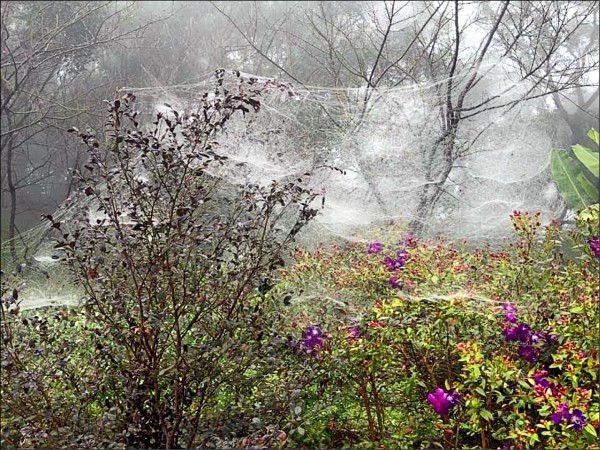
(521, 332)
(594, 244)
(374, 248)
(313, 340)
(442, 402)
(575, 417)
(394, 264)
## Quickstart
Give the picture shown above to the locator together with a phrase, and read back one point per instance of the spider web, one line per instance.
(381, 141)
(370, 154)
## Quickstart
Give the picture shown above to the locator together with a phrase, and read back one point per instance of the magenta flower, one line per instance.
(313, 338)
(374, 248)
(442, 402)
(527, 352)
(519, 333)
(594, 244)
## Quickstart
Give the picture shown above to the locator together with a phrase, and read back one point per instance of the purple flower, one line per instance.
(394, 265)
(442, 402)
(539, 377)
(511, 311)
(556, 417)
(453, 397)
(543, 337)
(537, 337)
(577, 419)
(519, 333)
(523, 332)
(527, 352)
(374, 248)
(510, 334)
(353, 333)
(594, 244)
(313, 338)
(551, 339)
(395, 283)
(562, 413)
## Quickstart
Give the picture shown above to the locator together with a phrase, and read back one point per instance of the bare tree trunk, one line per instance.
(12, 190)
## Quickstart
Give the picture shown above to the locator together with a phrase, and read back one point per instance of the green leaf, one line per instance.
(587, 157)
(486, 415)
(568, 175)
(593, 135)
(533, 439)
(574, 381)
(475, 373)
(480, 392)
(590, 431)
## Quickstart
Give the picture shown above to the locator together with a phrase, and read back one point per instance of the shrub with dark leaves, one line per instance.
(172, 263)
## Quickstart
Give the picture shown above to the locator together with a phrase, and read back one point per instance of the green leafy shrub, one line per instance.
(509, 333)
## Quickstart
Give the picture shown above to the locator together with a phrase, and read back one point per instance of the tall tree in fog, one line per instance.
(544, 47)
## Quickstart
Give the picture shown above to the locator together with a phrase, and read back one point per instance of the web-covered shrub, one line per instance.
(173, 262)
(460, 348)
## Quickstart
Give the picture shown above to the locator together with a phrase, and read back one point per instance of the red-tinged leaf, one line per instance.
(92, 274)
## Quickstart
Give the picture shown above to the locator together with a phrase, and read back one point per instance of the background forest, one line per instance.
(498, 89)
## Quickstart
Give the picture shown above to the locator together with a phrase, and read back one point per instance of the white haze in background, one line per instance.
(506, 169)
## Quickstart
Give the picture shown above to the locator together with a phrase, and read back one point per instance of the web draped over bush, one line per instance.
(370, 152)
